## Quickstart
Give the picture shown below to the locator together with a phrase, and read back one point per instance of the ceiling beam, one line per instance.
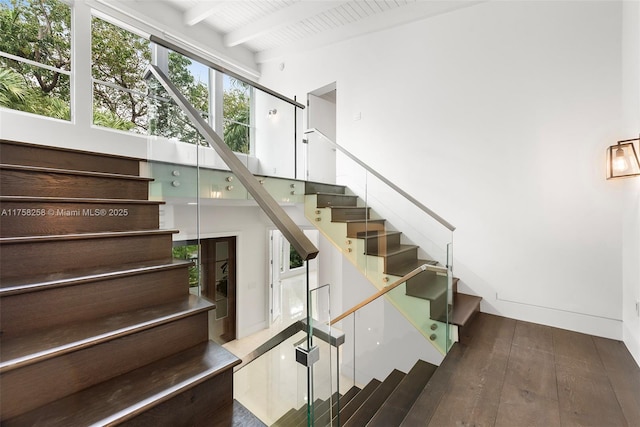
(201, 11)
(279, 19)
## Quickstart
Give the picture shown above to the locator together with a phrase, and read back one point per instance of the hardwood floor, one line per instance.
(514, 373)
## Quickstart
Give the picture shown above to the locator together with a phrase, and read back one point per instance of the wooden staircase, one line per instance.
(97, 323)
(380, 403)
(398, 258)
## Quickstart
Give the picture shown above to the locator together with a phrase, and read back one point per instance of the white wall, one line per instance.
(497, 116)
(274, 135)
(251, 228)
(631, 187)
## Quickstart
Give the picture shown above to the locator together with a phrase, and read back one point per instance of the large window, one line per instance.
(35, 57)
(119, 61)
(35, 76)
(237, 115)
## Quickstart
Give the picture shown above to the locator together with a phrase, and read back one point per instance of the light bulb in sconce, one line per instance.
(620, 163)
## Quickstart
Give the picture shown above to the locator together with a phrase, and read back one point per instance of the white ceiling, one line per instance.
(272, 29)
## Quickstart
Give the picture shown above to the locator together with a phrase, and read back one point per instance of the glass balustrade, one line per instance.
(385, 233)
(376, 341)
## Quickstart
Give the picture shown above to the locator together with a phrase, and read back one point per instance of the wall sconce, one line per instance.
(273, 112)
(622, 159)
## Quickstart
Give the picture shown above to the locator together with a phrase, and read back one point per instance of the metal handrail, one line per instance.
(331, 336)
(406, 195)
(296, 237)
(210, 64)
(388, 288)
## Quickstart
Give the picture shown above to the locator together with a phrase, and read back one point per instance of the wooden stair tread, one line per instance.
(73, 172)
(322, 193)
(350, 394)
(465, 306)
(72, 151)
(396, 407)
(375, 234)
(130, 394)
(53, 342)
(363, 221)
(401, 249)
(81, 236)
(408, 267)
(375, 401)
(79, 200)
(76, 277)
(354, 404)
(427, 402)
(311, 187)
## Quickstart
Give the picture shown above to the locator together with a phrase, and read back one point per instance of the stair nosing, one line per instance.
(467, 316)
(200, 305)
(349, 207)
(88, 278)
(410, 386)
(218, 360)
(382, 233)
(4, 166)
(322, 193)
(79, 200)
(71, 150)
(84, 236)
(400, 250)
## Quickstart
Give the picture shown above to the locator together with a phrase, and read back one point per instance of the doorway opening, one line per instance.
(321, 115)
(216, 259)
(288, 276)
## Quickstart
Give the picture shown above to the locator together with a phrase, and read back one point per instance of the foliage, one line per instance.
(295, 260)
(168, 120)
(189, 252)
(237, 112)
(40, 30)
(37, 31)
(120, 57)
(13, 89)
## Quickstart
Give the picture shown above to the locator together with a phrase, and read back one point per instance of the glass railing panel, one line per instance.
(274, 384)
(325, 384)
(375, 332)
(387, 234)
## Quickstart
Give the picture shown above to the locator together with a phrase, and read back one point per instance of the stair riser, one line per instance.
(432, 288)
(42, 156)
(316, 187)
(207, 404)
(46, 218)
(394, 262)
(353, 228)
(375, 401)
(33, 258)
(348, 214)
(33, 311)
(328, 200)
(64, 375)
(380, 246)
(49, 184)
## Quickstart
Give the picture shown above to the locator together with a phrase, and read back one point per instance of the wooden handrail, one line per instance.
(386, 289)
